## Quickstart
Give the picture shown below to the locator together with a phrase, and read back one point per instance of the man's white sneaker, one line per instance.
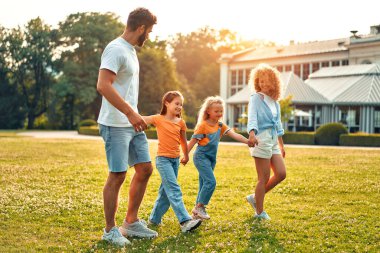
(115, 237)
(252, 201)
(200, 213)
(137, 229)
(190, 225)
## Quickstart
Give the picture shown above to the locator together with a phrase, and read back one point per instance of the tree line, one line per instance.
(48, 75)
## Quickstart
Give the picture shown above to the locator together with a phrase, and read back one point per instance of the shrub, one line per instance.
(306, 138)
(89, 130)
(87, 122)
(329, 134)
(360, 139)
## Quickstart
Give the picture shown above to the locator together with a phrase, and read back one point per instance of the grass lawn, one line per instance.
(51, 200)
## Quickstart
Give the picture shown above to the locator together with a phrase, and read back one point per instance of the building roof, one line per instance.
(350, 85)
(315, 47)
(291, 85)
(355, 84)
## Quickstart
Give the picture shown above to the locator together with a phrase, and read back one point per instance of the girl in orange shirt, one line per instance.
(171, 132)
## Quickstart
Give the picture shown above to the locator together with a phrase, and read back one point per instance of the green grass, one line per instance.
(51, 200)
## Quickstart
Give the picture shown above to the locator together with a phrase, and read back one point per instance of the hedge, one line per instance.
(289, 138)
(87, 122)
(329, 134)
(364, 140)
(305, 138)
(89, 130)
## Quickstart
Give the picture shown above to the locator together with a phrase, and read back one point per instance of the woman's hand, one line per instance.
(252, 140)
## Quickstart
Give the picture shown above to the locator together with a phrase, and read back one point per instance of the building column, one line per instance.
(371, 119)
(362, 119)
(224, 84)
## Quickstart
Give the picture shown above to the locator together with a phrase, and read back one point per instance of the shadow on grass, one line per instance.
(182, 242)
(263, 237)
(137, 245)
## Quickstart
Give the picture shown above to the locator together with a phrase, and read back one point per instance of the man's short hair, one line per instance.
(139, 17)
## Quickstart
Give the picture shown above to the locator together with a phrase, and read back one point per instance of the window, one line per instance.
(288, 68)
(297, 70)
(318, 113)
(280, 68)
(349, 116)
(325, 64)
(344, 62)
(335, 63)
(305, 71)
(240, 76)
(376, 119)
(315, 67)
(233, 77)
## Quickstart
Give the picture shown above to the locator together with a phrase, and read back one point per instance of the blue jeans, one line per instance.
(169, 193)
(207, 182)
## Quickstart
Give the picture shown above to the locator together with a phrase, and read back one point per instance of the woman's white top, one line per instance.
(271, 104)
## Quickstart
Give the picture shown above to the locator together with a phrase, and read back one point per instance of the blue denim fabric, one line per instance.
(124, 146)
(205, 160)
(169, 193)
(260, 116)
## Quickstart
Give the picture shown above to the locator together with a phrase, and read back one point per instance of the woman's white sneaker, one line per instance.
(252, 201)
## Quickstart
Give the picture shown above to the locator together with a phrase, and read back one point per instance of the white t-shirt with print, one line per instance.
(120, 57)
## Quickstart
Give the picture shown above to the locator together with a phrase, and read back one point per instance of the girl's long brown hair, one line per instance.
(168, 97)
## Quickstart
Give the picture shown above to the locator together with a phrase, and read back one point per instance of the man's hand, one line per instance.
(137, 121)
(252, 140)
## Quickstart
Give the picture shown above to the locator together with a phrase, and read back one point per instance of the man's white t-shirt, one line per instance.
(120, 57)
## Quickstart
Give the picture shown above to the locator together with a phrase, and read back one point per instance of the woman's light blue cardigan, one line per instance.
(260, 116)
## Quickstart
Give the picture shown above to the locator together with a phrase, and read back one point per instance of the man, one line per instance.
(121, 127)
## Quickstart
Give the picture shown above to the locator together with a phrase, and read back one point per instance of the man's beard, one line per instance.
(141, 39)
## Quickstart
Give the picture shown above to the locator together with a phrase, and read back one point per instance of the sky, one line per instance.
(278, 20)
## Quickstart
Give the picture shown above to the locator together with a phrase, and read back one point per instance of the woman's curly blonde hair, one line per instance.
(274, 77)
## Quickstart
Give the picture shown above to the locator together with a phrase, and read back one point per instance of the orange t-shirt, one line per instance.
(206, 128)
(169, 135)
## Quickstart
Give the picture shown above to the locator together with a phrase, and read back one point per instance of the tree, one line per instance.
(286, 108)
(157, 76)
(83, 37)
(31, 61)
(193, 51)
(196, 56)
(12, 113)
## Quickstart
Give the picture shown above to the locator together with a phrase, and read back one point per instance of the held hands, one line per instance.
(137, 121)
(282, 151)
(184, 160)
(252, 140)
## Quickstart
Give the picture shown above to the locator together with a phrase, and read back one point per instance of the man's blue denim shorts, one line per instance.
(124, 146)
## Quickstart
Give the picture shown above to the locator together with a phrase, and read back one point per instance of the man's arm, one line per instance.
(105, 88)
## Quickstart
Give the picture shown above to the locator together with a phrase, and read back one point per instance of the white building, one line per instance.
(342, 81)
